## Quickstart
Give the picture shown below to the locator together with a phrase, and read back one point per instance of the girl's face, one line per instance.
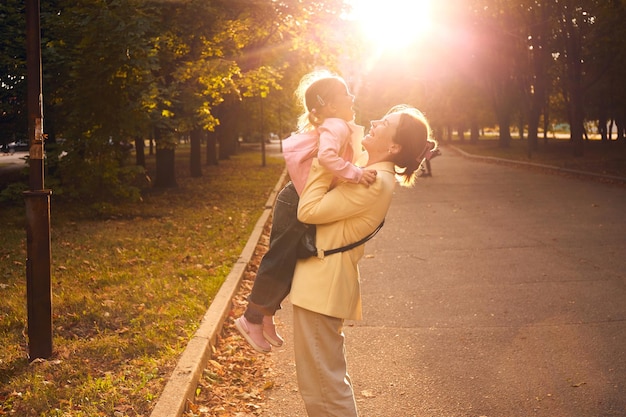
(379, 139)
(341, 105)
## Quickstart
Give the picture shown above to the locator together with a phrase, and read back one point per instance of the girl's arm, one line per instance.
(319, 206)
(335, 135)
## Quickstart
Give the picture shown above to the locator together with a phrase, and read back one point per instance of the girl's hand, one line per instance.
(369, 176)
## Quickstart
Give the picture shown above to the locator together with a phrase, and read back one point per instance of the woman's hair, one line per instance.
(315, 91)
(414, 136)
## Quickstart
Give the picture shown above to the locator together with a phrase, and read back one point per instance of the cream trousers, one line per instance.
(321, 368)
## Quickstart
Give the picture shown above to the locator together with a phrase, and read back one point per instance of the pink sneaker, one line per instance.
(269, 331)
(253, 333)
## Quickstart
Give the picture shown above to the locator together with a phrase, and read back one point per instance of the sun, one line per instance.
(392, 24)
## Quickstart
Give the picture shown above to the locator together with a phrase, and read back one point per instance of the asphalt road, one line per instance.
(491, 291)
(12, 161)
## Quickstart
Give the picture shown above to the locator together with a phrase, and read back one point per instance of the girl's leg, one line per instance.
(253, 333)
(270, 333)
(273, 280)
(321, 367)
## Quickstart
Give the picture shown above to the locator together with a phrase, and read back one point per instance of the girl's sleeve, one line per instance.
(318, 205)
(333, 137)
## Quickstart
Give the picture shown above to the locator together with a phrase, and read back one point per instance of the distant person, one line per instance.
(325, 292)
(327, 132)
(425, 170)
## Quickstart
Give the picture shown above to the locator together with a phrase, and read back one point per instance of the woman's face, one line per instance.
(379, 139)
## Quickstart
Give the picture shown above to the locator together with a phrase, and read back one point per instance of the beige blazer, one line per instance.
(343, 215)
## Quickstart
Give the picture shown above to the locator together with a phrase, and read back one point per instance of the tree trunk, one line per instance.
(211, 148)
(574, 83)
(533, 129)
(228, 145)
(195, 153)
(504, 124)
(165, 156)
(165, 173)
(140, 156)
(621, 129)
(503, 101)
(546, 121)
(577, 121)
(539, 93)
(534, 115)
(474, 132)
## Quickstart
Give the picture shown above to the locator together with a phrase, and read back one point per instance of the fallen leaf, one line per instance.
(367, 393)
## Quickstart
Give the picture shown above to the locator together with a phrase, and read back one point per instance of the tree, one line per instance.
(97, 69)
(501, 54)
(232, 54)
(606, 88)
(120, 71)
(573, 25)
(280, 41)
(537, 18)
(190, 79)
(13, 117)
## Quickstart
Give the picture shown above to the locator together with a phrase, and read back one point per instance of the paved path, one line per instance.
(491, 291)
(12, 161)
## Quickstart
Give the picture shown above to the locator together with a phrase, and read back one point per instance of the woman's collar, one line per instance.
(382, 166)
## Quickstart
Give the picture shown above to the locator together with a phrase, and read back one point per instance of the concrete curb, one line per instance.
(183, 382)
(536, 165)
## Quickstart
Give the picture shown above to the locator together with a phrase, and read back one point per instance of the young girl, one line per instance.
(326, 130)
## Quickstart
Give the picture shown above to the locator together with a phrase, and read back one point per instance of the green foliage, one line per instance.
(13, 192)
(99, 180)
(12, 71)
(121, 69)
(98, 65)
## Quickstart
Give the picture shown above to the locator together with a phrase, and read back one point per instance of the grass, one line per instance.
(129, 287)
(605, 158)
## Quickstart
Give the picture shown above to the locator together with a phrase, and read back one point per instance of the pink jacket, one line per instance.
(339, 145)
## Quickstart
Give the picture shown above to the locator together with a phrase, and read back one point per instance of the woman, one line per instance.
(325, 292)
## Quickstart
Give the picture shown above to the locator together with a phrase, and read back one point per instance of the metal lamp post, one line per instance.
(38, 288)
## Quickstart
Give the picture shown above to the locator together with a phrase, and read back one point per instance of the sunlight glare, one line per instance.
(392, 24)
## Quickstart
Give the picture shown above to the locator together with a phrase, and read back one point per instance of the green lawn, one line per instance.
(129, 287)
(607, 158)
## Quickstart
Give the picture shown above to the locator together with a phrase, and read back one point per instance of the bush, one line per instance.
(13, 192)
(103, 178)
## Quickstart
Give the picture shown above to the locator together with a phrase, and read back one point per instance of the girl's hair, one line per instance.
(414, 135)
(315, 91)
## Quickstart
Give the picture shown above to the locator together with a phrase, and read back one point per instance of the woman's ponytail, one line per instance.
(413, 134)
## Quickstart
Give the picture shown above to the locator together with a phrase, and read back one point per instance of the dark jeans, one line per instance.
(273, 279)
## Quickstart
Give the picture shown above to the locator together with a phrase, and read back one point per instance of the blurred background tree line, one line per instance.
(122, 74)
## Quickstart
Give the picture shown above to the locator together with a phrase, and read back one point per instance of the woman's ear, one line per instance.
(394, 149)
